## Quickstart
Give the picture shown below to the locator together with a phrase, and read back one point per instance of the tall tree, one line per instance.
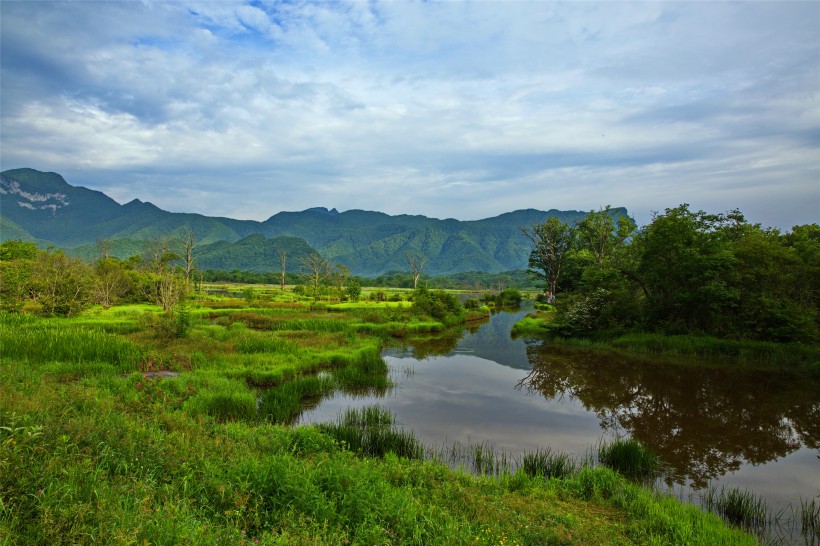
(601, 233)
(551, 242)
(416, 262)
(187, 248)
(283, 257)
(316, 269)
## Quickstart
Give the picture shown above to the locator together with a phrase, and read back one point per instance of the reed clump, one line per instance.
(372, 432)
(738, 507)
(630, 458)
(547, 463)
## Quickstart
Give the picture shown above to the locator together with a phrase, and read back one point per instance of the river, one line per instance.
(711, 424)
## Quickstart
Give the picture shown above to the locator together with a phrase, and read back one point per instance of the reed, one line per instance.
(372, 432)
(738, 507)
(810, 518)
(630, 458)
(546, 463)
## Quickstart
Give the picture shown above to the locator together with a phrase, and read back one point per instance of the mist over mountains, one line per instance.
(43, 207)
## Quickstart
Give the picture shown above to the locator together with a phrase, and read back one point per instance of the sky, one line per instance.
(449, 109)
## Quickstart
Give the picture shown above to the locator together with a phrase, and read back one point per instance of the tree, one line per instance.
(110, 282)
(60, 285)
(283, 256)
(552, 242)
(158, 255)
(340, 275)
(316, 269)
(416, 262)
(601, 233)
(17, 250)
(187, 247)
(168, 289)
(354, 288)
(684, 263)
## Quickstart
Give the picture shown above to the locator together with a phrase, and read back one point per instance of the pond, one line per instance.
(710, 424)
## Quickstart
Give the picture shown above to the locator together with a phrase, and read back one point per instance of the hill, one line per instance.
(43, 207)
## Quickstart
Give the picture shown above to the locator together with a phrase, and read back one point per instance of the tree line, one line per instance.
(684, 272)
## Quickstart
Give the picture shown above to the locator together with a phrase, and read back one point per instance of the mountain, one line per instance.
(44, 208)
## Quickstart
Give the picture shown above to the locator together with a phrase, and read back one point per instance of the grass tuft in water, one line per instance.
(738, 507)
(547, 464)
(371, 431)
(810, 517)
(630, 458)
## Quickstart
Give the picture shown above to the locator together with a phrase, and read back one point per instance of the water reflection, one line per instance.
(704, 422)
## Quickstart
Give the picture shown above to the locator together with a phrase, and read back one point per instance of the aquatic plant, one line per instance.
(629, 457)
(739, 507)
(547, 463)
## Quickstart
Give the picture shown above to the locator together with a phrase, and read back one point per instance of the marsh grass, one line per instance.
(629, 457)
(738, 507)
(810, 519)
(372, 431)
(57, 340)
(547, 463)
(117, 458)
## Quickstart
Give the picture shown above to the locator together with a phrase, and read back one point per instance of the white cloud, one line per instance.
(449, 109)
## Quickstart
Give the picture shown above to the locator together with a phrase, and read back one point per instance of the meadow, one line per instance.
(133, 426)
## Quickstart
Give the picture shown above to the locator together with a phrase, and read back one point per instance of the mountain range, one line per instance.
(43, 207)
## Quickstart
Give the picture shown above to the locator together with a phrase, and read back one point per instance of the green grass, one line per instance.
(546, 463)
(738, 507)
(93, 452)
(629, 457)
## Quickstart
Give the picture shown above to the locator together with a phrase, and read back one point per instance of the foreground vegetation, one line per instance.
(134, 425)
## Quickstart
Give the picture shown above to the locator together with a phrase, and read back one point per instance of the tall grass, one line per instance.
(548, 464)
(630, 458)
(738, 507)
(57, 341)
(372, 432)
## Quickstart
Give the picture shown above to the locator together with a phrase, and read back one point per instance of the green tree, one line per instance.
(551, 242)
(601, 233)
(60, 285)
(111, 282)
(683, 264)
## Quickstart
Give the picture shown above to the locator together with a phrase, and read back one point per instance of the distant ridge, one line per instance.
(43, 207)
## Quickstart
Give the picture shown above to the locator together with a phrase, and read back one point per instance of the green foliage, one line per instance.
(437, 304)
(552, 242)
(17, 250)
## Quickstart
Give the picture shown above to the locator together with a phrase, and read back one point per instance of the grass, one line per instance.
(629, 457)
(546, 463)
(372, 432)
(91, 451)
(738, 507)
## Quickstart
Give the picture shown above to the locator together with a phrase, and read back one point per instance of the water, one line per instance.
(710, 424)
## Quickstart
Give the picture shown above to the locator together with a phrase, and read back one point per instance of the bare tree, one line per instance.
(103, 250)
(187, 247)
(158, 254)
(283, 256)
(316, 270)
(416, 262)
(340, 274)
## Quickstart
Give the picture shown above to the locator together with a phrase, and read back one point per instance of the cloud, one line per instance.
(449, 109)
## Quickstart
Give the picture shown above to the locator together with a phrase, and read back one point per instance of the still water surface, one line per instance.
(710, 424)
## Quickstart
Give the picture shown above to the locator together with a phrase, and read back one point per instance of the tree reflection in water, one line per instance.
(703, 421)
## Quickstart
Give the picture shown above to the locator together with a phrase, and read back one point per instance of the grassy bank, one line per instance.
(793, 356)
(95, 449)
